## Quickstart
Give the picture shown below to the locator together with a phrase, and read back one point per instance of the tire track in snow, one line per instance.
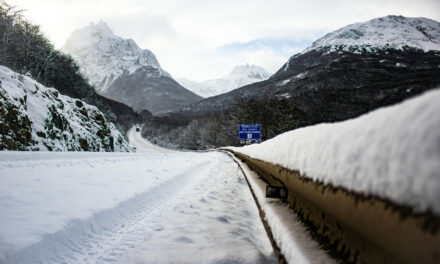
(216, 222)
(108, 234)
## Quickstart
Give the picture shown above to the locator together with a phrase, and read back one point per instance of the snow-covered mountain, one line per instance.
(378, 36)
(103, 56)
(390, 32)
(348, 72)
(240, 76)
(122, 71)
(34, 117)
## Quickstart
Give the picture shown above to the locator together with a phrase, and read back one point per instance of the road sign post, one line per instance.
(249, 133)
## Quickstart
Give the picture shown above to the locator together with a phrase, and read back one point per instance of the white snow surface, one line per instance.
(154, 206)
(32, 100)
(390, 32)
(291, 236)
(240, 76)
(103, 56)
(393, 152)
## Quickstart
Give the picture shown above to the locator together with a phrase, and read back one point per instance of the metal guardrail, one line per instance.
(356, 228)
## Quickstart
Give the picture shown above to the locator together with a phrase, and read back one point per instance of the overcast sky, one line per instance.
(205, 39)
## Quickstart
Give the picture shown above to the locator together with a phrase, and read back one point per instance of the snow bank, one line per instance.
(393, 152)
(35, 117)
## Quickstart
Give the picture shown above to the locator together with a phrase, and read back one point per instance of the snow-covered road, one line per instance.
(154, 206)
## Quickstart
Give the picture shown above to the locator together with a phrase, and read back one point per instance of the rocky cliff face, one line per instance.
(109, 62)
(34, 117)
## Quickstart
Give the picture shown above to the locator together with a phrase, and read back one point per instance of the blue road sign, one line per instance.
(247, 132)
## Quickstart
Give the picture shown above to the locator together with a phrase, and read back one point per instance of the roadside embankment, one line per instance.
(354, 227)
(367, 188)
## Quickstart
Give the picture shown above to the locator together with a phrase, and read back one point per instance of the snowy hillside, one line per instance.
(240, 76)
(392, 152)
(390, 32)
(34, 117)
(103, 56)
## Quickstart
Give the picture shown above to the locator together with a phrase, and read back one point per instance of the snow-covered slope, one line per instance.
(103, 56)
(240, 76)
(390, 32)
(34, 117)
(392, 153)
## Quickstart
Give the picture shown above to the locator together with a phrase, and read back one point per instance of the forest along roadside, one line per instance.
(154, 206)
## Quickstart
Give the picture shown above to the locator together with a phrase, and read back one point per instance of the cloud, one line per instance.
(280, 46)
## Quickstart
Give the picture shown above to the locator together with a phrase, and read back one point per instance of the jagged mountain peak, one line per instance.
(103, 56)
(88, 36)
(102, 27)
(120, 70)
(389, 32)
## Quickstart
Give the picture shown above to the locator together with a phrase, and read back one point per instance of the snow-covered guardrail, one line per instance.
(368, 187)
